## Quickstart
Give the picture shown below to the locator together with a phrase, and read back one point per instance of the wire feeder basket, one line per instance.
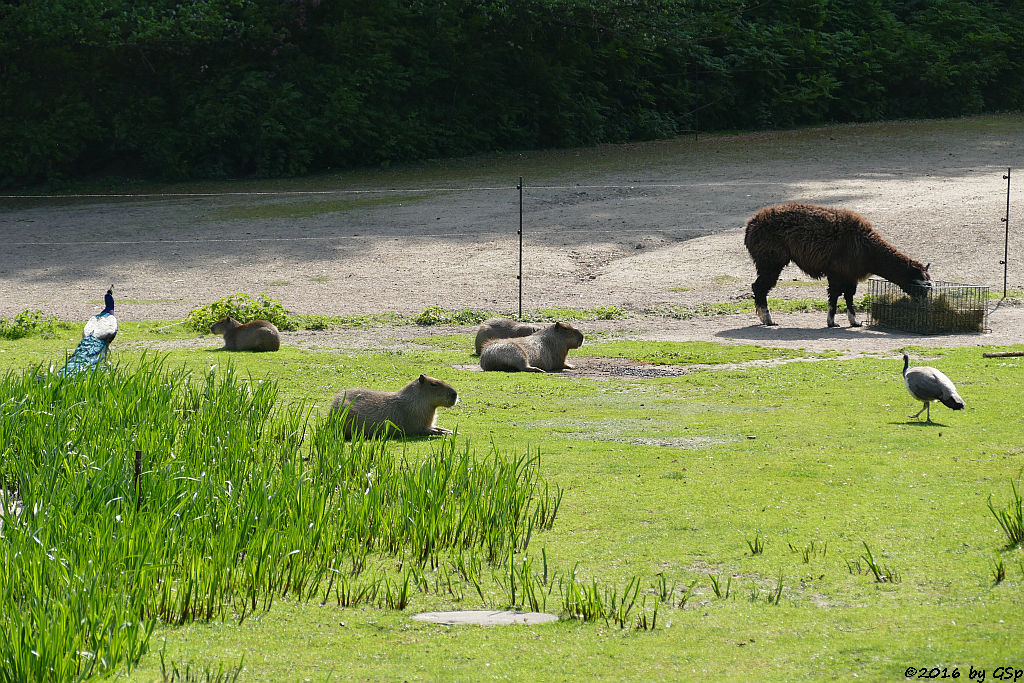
(945, 307)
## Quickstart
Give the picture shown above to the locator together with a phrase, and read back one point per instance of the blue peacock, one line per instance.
(96, 337)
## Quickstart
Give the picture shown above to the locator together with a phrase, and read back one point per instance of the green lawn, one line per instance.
(672, 480)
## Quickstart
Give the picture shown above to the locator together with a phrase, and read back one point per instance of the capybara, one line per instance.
(503, 328)
(543, 351)
(410, 410)
(258, 335)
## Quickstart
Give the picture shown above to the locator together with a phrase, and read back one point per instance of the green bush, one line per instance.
(317, 321)
(436, 315)
(242, 308)
(550, 315)
(26, 323)
(282, 88)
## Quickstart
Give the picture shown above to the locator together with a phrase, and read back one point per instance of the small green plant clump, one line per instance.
(555, 314)
(1011, 520)
(171, 673)
(591, 601)
(319, 321)
(882, 573)
(437, 315)
(683, 312)
(27, 323)
(775, 594)
(757, 545)
(243, 308)
(720, 591)
(998, 570)
(809, 552)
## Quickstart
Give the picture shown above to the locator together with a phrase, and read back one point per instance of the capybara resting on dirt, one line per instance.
(825, 242)
(258, 335)
(503, 328)
(543, 351)
(410, 410)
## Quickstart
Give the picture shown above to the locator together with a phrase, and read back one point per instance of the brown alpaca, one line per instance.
(411, 410)
(503, 328)
(258, 335)
(825, 242)
(543, 351)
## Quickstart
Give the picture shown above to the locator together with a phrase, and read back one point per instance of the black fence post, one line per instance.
(1006, 239)
(520, 277)
(696, 103)
(138, 480)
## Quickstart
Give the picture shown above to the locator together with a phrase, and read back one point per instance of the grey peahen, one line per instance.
(928, 384)
(96, 337)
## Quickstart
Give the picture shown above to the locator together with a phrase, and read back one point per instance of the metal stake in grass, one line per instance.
(1006, 243)
(520, 278)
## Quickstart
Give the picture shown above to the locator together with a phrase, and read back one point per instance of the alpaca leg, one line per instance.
(766, 279)
(851, 311)
(833, 303)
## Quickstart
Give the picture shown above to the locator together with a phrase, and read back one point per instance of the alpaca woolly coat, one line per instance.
(826, 242)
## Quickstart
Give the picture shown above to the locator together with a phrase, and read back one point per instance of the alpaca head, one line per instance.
(920, 280)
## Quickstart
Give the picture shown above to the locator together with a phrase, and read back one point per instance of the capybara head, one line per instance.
(442, 394)
(223, 325)
(572, 336)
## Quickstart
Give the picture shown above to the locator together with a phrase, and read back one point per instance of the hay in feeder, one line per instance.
(946, 307)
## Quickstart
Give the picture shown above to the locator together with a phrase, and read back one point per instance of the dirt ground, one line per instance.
(636, 226)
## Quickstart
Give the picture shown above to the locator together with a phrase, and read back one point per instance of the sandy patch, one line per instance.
(634, 226)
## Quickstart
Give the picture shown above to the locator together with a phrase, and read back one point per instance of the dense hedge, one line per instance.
(214, 88)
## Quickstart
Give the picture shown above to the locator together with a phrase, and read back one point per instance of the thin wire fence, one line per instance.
(532, 192)
(548, 217)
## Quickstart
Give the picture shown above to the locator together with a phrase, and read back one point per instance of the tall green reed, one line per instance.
(239, 501)
(1011, 520)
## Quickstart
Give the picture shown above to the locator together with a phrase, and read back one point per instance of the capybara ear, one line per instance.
(561, 324)
(926, 266)
(423, 379)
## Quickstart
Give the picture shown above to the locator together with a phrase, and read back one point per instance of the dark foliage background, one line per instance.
(175, 89)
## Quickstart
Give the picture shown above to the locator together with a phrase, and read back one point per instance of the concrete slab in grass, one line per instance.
(485, 618)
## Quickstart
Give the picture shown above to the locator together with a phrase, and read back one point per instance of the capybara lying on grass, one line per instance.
(503, 328)
(543, 351)
(410, 410)
(258, 335)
